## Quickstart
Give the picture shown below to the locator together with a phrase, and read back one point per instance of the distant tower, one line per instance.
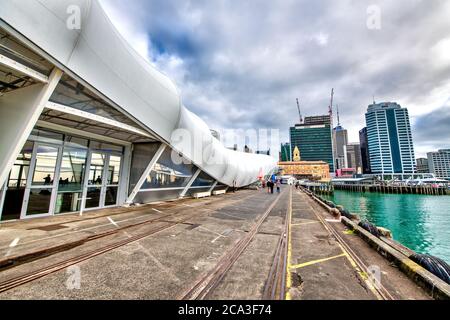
(297, 157)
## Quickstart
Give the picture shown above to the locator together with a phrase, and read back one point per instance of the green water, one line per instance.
(419, 222)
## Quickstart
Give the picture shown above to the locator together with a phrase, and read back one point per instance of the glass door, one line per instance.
(71, 180)
(103, 180)
(42, 184)
(113, 178)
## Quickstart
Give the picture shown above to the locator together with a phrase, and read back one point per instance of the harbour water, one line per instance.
(419, 222)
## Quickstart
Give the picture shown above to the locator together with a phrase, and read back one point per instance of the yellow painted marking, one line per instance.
(289, 257)
(304, 223)
(361, 273)
(310, 263)
(353, 263)
(349, 232)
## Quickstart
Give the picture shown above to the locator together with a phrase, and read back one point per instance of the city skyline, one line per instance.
(251, 78)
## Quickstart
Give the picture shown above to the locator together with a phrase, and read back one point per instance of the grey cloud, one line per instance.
(433, 129)
(253, 58)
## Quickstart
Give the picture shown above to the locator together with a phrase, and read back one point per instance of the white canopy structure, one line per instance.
(89, 80)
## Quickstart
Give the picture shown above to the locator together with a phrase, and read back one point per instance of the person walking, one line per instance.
(278, 186)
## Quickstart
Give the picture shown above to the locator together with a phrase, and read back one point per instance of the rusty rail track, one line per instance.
(206, 283)
(15, 261)
(275, 287)
(47, 270)
(363, 271)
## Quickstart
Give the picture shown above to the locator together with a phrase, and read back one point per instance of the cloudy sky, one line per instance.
(242, 64)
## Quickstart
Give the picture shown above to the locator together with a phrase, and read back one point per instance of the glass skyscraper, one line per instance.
(391, 149)
(314, 139)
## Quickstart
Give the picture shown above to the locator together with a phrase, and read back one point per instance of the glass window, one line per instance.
(203, 180)
(44, 173)
(72, 170)
(96, 169)
(93, 197)
(39, 201)
(106, 147)
(46, 136)
(17, 181)
(70, 187)
(143, 153)
(111, 196)
(169, 172)
(76, 142)
(114, 170)
(68, 202)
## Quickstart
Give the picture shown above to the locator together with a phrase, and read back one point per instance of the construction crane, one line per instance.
(331, 103)
(299, 112)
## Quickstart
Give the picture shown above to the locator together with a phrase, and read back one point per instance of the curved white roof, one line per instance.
(98, 55)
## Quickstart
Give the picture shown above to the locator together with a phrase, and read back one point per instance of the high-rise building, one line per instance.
(285, 154)
(340, 140)
(365, 159)
(422, 165)
(353, 157)
(391, 148)
(439, 163)
(314, 139)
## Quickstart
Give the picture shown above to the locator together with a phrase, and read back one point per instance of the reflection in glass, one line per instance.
(16, 183)
(39, 201)
(106, 147)
(143, 153)
(114, 170)
(44, 172)
(111, 196)
(203, 180)
(169, 174)
(70, 185)
(93, 197)
(96, 169)
(68, 202)
(72, 170)
(76, 142)
(47, 136)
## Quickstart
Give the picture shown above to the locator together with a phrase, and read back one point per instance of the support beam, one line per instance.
(213, 186)
(147, 171)
(19, 112)
(14, 65)
(81, 133)
(191, 182)
(94, 117)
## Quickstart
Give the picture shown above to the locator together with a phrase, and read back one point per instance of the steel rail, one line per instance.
(206, 283)
(47, 270)
(381, 291)
(275, 287)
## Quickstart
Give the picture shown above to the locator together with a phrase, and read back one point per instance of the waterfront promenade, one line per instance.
(248, 245)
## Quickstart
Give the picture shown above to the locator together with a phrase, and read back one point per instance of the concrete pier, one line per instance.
(158, 251)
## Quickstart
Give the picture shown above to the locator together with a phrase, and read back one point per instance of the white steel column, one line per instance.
(125, 175)
(213, 186)
(19, 112)
(149, 168)
(2, 198)
(191, 182)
